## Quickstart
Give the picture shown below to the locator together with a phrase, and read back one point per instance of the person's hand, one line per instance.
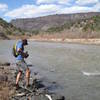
(26, 54)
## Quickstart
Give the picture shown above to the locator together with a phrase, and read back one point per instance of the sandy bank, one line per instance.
(56, 39)
(83, 41)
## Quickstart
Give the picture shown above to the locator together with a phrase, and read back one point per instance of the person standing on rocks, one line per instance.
(20, 62)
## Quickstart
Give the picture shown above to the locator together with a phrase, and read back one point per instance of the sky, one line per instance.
(12, 9)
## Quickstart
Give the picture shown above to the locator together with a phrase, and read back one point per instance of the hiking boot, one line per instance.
(17, 86)
(28, 86)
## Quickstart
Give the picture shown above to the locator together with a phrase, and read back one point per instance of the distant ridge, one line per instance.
(46, 22)
(80, 25)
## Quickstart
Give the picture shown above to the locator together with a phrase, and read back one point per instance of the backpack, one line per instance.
(14, 51)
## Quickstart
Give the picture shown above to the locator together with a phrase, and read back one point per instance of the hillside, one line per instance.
(7, 29)
(53, 23)
(81, 25)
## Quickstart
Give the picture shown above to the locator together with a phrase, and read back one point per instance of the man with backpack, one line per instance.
(18, 52)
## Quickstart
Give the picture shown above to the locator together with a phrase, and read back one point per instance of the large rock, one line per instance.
(3, 78)
(4, 64)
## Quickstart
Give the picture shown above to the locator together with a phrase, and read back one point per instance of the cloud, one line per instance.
(33, 11)
(75, 9)
(96, 7)
(86, 2)
(65, 2)
(46, 1)
(48, 8)
(24, 11)
(3, 7)
(28, 11)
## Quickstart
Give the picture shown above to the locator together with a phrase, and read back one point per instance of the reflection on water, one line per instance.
(62, 63)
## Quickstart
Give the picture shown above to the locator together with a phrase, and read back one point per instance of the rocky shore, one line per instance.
(37, 90)
(6, 82)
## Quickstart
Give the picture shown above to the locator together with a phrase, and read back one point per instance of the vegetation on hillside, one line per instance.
(92, 24)
(8, 29)
(86, 27)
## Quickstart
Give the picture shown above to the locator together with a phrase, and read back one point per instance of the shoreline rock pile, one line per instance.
(36, 91)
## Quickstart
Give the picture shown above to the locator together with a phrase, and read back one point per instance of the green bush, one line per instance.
(92, 24)
(35, 32)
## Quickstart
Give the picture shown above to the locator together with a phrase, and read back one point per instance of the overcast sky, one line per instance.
(11, 9)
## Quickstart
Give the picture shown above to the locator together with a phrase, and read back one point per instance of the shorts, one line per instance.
(21, 66)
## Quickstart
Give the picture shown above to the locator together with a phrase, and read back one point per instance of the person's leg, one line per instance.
(27, 76)
(18, 77)
(26, 71)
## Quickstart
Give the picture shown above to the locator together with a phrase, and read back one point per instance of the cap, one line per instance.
(25, 41)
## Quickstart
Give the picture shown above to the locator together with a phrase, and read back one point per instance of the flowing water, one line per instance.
(61, 67)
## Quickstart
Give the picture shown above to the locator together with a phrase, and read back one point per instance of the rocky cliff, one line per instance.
(47, 22)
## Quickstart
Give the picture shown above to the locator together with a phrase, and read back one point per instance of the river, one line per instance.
(61, 66)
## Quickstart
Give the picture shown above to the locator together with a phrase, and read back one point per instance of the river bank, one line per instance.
(8, 90)
(47, 38)
(81, 41)
(6, 82)
(57, 39)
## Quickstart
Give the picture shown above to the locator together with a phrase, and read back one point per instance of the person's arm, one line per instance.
(21, 52)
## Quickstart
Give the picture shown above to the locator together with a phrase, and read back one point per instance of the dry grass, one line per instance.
(4, 91)
(6, 88)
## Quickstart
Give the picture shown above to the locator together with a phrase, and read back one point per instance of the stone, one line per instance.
(3, 78)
